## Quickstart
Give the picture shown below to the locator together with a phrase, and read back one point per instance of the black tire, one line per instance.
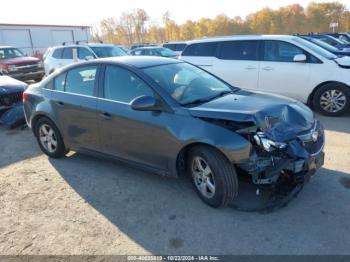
(223, 174)
(321, 91)
(60, 150)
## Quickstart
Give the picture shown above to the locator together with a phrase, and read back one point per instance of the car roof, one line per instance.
(241, 37)
(148, 47)
(7, 46)
(175, 42)
(83, 45)
(140, 61)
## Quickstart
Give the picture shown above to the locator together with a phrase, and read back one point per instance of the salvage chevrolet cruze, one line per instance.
(174, 118)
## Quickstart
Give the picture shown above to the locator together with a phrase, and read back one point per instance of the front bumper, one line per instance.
(303, 155)
(268, 170)
(24, 76)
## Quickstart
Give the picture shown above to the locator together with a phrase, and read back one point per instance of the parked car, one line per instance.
(18, 65)
(11, 107)
(124, 48)
(173, 118)
(331, 41)
(177, 47)
(59, 56)
(141, 45)
(337, 51)
(308, 72)
(153, 51)
(345, 37)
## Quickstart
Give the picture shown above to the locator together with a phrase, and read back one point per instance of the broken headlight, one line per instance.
(267, 144)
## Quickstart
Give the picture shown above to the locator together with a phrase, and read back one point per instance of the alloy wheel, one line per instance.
(48, 138)
(333, 100)
(203, 177)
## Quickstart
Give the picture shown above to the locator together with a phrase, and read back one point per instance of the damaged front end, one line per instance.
(298, 157)
(11, 107)
(287, 149)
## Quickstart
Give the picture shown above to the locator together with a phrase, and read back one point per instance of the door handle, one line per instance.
(268, 68)
(250, 67)
(106, 116)
(59, 103)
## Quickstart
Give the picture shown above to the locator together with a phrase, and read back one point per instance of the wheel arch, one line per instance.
(38, 116)
(312, 94)
(182, 156)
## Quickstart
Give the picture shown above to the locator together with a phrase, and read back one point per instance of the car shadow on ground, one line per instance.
(164, 215)
(338, 124)
(22, 145)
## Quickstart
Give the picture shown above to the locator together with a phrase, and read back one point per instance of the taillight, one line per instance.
(25, 97)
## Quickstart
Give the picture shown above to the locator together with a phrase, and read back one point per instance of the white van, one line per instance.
(279, 64)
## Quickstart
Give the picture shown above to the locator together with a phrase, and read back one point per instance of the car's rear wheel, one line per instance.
(213, 176)
(332, 99)
(49, 138)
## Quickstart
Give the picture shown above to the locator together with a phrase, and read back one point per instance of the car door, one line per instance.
(201, 54)
(279, 74)
(237, 63)
(75, 106)
(67, 56)
(139, 136)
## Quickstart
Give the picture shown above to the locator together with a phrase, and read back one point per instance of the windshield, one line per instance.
(8, 53)
(188, 84)
(315, 48)
(108, 51)
(324, 45)
(165, 52)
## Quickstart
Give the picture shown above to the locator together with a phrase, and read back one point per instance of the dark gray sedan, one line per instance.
(173, 118)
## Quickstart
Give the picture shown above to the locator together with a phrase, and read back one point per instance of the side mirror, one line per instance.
(89, 57)
(299, 58)
(145, 103)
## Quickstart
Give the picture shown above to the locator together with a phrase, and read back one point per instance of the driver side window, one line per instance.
(279, 51)
(121, 85)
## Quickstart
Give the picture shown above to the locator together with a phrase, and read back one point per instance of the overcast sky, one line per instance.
(85, 12)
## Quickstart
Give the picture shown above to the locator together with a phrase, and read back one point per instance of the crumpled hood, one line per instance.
(11, 85)
(280, 118)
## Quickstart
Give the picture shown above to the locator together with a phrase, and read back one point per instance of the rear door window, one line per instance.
(81, 80)
(239, 50)
(67, 53)
(201, 49)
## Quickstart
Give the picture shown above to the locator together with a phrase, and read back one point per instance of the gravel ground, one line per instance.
(85, 205)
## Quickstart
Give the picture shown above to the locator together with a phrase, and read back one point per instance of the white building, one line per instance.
(35, 39)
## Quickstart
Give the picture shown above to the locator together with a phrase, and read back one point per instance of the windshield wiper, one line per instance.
(207, 99)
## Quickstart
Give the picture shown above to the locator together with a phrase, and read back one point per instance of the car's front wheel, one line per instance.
(49, 138)
(332, 99)
(213, 176)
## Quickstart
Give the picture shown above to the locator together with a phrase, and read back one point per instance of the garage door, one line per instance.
(17, 37)
(60, 36)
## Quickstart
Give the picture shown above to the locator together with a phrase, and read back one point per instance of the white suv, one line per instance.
(59, 56)
(285, 65)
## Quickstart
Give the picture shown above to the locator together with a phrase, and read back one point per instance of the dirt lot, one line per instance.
(84, 205)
